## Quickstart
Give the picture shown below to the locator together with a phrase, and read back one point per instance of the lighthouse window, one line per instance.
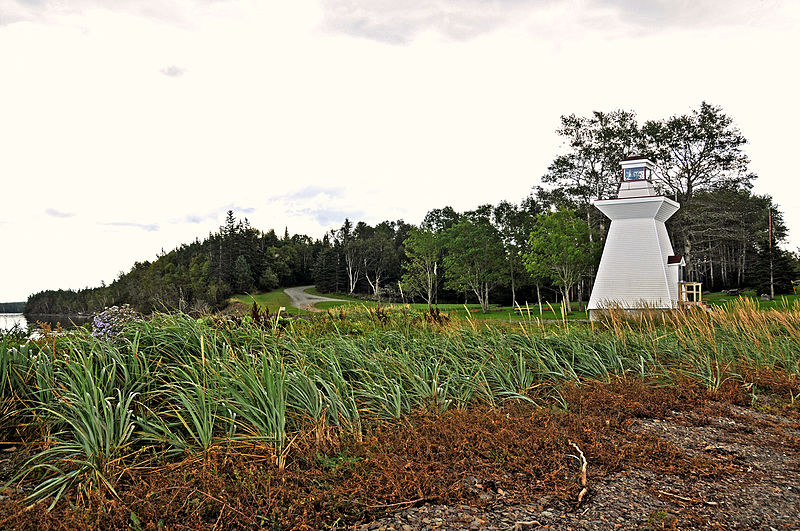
(634, 174)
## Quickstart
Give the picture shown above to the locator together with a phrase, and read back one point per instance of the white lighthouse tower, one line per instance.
(638, 269)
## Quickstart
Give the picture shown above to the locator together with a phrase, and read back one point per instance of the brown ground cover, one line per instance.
(656, 456)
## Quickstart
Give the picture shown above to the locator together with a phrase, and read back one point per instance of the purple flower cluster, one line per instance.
(109, 323)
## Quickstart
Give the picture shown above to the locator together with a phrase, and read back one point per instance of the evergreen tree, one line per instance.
(268, 280)
(243, 276)
(779, 265)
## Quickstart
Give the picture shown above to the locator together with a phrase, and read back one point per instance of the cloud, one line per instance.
(171, 11)
(215, 214)
(237, 210)
(310, 192)
(322, 204)
(173, 71)
(327, 216)
(660, 14)
(16, 11)
(400, 21)
(143, 226)
(58, 214)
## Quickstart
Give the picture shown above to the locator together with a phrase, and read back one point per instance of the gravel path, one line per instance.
(306, 301)
(759, 492)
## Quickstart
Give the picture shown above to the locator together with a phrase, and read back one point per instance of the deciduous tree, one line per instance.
(590, 167)
(379, 254)
(423, 251)
(702, 150)
(561, 250)
(475, 259)
(515, 224)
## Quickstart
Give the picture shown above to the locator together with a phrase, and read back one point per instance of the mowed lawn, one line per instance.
(277, 299)
(473, 311)
(780, 301)
(273, 300)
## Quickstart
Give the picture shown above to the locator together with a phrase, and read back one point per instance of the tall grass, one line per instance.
(177, 386)
(255, 394)
(83, 394)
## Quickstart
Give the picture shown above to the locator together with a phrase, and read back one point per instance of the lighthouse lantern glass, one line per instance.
(635, 174)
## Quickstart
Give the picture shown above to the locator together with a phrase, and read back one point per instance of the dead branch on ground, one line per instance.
(584, 465)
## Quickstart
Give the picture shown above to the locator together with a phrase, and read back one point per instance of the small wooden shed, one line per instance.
(638, 268)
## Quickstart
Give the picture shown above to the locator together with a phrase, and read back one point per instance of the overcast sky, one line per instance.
(131, 126)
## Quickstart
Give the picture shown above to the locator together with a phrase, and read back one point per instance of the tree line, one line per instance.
(200, 276)
(12, 307)
(548, 244)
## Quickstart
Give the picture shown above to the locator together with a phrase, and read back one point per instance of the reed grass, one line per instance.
(173, 385)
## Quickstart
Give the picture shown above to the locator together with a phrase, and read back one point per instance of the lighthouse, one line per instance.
(638, 268)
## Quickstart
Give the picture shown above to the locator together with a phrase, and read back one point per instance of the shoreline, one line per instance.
(67, 315)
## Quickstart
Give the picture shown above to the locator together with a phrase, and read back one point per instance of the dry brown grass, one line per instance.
(520, 449)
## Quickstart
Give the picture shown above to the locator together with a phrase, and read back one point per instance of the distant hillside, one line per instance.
(197, 276)
(12, 307)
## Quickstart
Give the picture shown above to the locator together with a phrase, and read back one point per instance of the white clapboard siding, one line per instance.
(633, 270)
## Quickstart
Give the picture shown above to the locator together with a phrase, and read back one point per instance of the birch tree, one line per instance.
(351, 252)
(379, 255)
(420, 276)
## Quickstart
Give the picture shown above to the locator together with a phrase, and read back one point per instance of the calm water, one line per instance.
(8, 320)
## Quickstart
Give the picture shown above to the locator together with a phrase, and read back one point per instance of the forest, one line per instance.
(545, 246)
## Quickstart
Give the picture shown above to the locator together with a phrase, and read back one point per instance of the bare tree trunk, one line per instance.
(513, 288)
(429, 290)
(336, 274)
(710, 266)
(481, 290)
(353, 272)
(376, 287)
(771, 276)
(687, 251)
(742, 262)
(539, 298)
(374, 284)
(723, 266)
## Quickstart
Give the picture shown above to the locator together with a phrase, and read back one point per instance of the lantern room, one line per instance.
(637, 178)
